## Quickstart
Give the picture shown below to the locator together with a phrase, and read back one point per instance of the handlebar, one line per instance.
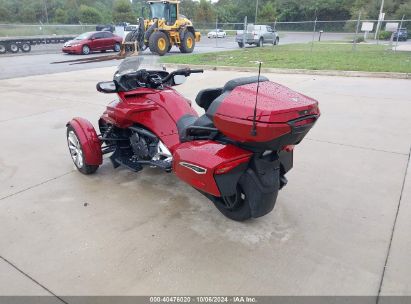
(145, 77)
(185, 72)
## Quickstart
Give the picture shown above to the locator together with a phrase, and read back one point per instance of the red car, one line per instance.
(93, 41)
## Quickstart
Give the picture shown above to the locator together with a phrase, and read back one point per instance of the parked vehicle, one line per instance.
(217, 34)
(257, 35)
(401, 34)
(105, 27)
(15, 44)
(93, 41)
(236, 154)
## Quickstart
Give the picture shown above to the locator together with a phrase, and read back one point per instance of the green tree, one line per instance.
(60, 16)
(404, 10)
(89, 15)
(188, 8)
(267, 13)
(123, 12)
(205, 12)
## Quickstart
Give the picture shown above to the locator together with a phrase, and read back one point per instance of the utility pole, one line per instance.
(256, 12)
(47, 13)
(379, 20)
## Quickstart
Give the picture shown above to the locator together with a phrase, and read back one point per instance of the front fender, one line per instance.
(90, 143)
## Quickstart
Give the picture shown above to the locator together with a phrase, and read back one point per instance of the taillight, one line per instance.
(288, 148)
(227, 167)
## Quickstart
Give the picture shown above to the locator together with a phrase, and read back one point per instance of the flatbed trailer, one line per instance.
(14, 44)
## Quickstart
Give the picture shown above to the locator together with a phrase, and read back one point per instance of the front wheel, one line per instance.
(240, 44)
(276, 41)
(76, 153)
(260, 42)
(159, 43)
(85, 50)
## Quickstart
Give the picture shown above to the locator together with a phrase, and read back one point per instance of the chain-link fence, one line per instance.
(339, 31)
(19, 30)
(219, 36)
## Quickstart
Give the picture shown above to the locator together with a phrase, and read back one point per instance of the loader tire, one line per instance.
(187, 43)
(159, 43)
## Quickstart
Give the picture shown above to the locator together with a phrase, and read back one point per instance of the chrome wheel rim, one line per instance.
(86, 50)
(14, 48)
(25, 47)
(2, 49)
(117, 48)
(75, 149)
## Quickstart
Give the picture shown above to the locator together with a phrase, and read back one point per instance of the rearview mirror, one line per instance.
(179, 79)
(107, 87)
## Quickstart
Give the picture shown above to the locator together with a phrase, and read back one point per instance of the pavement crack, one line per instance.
(32, 279)
(393, 229)
(36, 185)
(357, 147)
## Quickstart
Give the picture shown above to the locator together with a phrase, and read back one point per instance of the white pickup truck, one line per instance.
(258, 35)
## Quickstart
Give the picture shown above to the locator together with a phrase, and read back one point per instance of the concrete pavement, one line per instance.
(147, 233)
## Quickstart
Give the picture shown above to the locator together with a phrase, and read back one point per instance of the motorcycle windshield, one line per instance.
(135, 63)
(130, 65)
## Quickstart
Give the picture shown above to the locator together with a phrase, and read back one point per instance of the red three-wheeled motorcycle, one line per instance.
(236, 154)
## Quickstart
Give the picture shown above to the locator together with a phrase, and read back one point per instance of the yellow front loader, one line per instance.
(165, 28)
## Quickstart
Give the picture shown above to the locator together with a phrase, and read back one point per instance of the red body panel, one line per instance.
(276, 105)
(156, 110)
(207, 155)
(89, 140)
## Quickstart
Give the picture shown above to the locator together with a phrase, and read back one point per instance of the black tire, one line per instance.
(3, 49)
(240, 44)
(13, 47)
(26, 47)
(117, 47)
(81, 166)
(240, 208)
(187, 43)
(260, 42)
(277, 41)
(169, 48)
(159, 43)
(85, 50)
(251, 201)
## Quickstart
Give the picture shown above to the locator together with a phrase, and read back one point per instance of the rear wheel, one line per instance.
(14, 48)
(159, 43)
(235, 207)
(240, 44)
(187, 43)
(26, 47)
(276, 41)
(3, 49)
(85, 50)
(76, 152)
(260, 42)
